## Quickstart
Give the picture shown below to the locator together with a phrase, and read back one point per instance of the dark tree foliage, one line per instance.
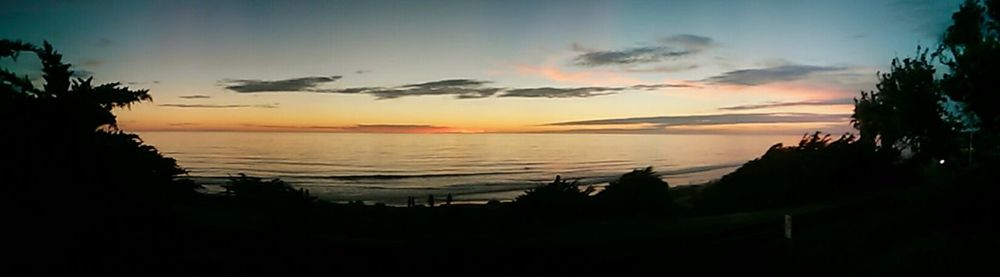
(906, 111)
(636, 192)
(817, 169)
(970, 48)
(62, 146)
(556, 198)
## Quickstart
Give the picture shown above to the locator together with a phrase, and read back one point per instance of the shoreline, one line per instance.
(503, 195)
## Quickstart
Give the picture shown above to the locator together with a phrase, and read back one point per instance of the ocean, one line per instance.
(387, 168)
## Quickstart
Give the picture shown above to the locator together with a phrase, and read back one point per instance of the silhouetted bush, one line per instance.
(637, 192)
(267, 194)
(817, 169)
(557, 197)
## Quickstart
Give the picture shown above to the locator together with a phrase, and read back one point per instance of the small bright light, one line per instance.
(941, 162)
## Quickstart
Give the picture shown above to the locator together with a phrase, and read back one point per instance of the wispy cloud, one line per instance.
(665, 68)
(143, 83)
(92, 63)
(647, 54)
(551, 92)
(777, 104)
(760, 76)
(460, 88)
(588, 77)
(712, 119)
(294, 84)
(667, 48)
(690, 42)
(477, 89)
(769, 129)
(104, 42)
(220, 106)
(82, 73)
(361, 128)
(194, 96)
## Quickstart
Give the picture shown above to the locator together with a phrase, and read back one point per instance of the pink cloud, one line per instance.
(590, 78)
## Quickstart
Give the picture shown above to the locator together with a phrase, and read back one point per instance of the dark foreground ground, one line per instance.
(895, 232)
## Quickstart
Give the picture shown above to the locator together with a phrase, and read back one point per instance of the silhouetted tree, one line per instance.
(63, 141)
(906, 111)
(970, 48)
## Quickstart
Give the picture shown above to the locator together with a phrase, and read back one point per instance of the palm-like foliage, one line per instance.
(77, 102)
(63, 138)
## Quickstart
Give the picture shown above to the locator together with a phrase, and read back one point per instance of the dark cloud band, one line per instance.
(668, 48)
(753, 77)
(458, 88)
(830, 102)
(295, 84)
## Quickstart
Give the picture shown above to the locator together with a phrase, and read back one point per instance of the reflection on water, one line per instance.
(389, 167)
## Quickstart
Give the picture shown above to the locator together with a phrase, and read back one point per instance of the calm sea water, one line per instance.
(472, 167)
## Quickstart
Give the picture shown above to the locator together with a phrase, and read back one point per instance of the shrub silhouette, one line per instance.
(558, 197)
(637, 192)
(266, 194)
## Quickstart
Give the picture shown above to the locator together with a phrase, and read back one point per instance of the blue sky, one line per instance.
(474, 66)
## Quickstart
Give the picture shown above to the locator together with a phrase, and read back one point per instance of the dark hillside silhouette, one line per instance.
(817, 169)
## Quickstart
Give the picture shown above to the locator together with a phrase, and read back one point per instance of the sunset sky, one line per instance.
(483, 66)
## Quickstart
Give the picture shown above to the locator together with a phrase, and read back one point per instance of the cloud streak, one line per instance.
(466, 89)
(712, 119)
(220, 106)
(760, 76)
(294, 84)
(194, 96)
(550, 92)
(636, 55)
(460, 88)
(362, 128)
(777, 104)
(668, 48)
(837, 127)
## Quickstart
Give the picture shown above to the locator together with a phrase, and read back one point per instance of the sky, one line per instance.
(700, 66)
